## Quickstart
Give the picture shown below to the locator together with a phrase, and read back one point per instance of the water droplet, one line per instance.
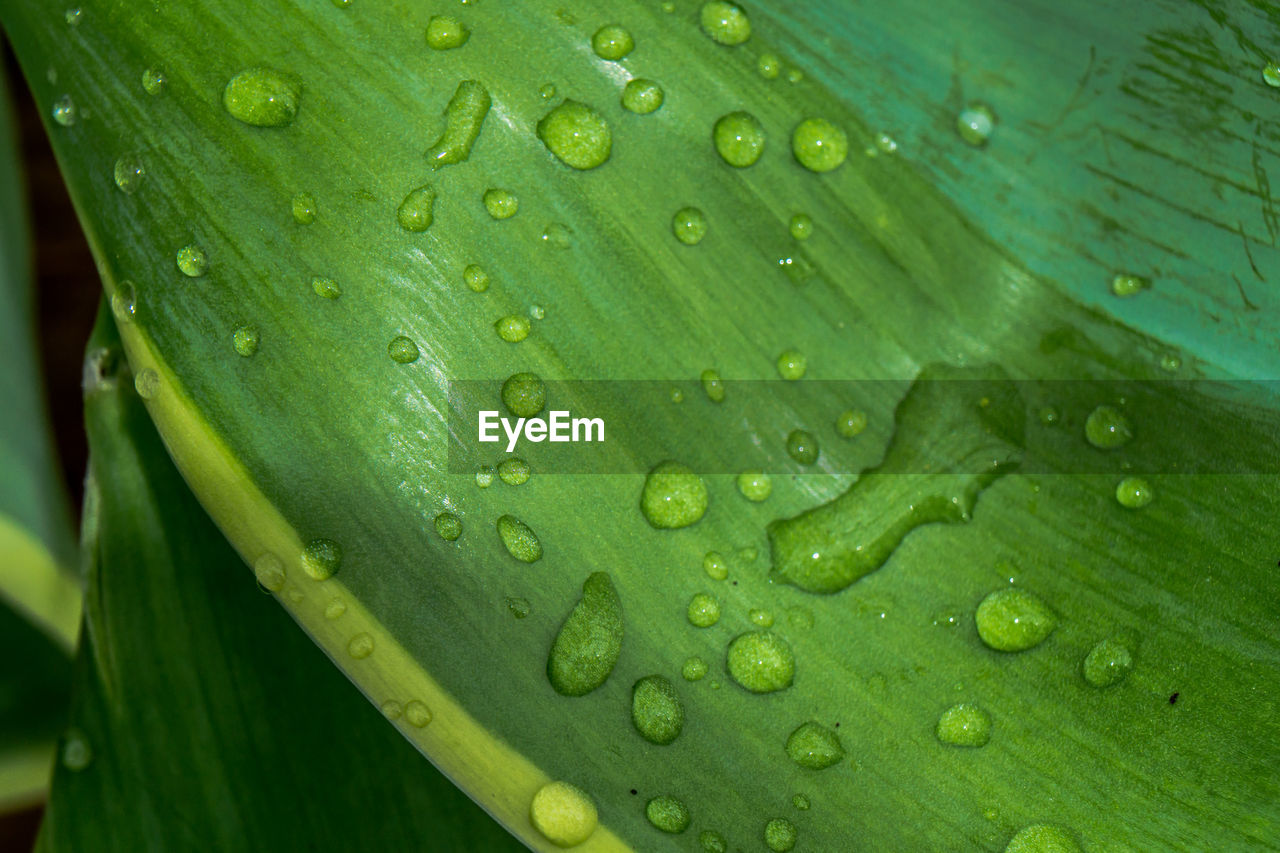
(448, 526)
(1134, 493)
(245, 340)
(547, 91)
(792, 364)
(557, 236)
(1271, 74)
(476, 278)
(64, 111)
(73, 17)
(563, 813)
(524, 394)
(802, 446)
(518, 607)
(513, 471)
(153, 81)
(537, 312)
(1170, 362)
(642, 96)
(761, 662)
(321, 558)
(801, 802)
(587, 645)
(417, 714)
(769, 66)
(269, 570)
(703, 611)
(755, 485)
(714, 565)
(711, 841)
(886, 143)
(800, 617)
(1106, 428)
(612, 42)
(1125, 285)
(694, 669)
(124, 302)
(725, 23)
(304, 208)
(1107, 663)
(513, 328)
(801, 226)
(391, 709)
(656, 711)
(403, 350)
(795, 75)
(946, 619)
(501, 204)
(780, 835)
(760, 618)
(361, 646)
(748, 554)
(1043, 838)
(689, 225)
(519, 539)
(814, 746)
(975, 124)
(739, 138)
(147, 383)
(76, 753)
(1014, 620)
(577, 135)
(326, 288)
(713, 385)
(667, 814)
(192, 261)
(819, 145)
(445, 33)
(1049, 415)
(129, 173)
(673, 496)
(964, 725)
(335, 609)
(416, 213)
(851, 423)
(263, 97)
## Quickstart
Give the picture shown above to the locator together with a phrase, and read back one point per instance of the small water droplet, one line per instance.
(263, 97)
(245, 340)
(448, 526)
(321, 558)
(326, 288)
(124, 302)
(713, 385)
(64, 111)
(667, 813)
(76, 753)
(335, 609)
(417, 714)
(714, 566)
(518, 607)
(795, 75)
(964, 725)
(814, 746)
(1170, 362)
(519, 539)
(501, 204)
(304, 208)
(476, 278)
(801, 802)
(760, 618)
(802, 446)
(564, 814)
(1014, 620)
(1106, 428)
(513, 471)
(801, 226)
(656, 710)
(761, 662)
(694, 669)
(537, 312)
(819, 145)
(725, 23)
(1134, 493)
(1107, 663)
(887, 143)
(129, 173)
(192, 261)
(739, 138)
(689, 225)
(1125, 285)
(1043, 838)
(673, 496)
(612, 42)
(642, 96)
(73, 17)
(557, 236)
(1049, 415)
(975, 124)
(755, 485)
(780, 835)
(446, 33)
(484, 477)
(524, 394)
(711, 841)
(513, 328)
(851, 423)
(703, 611)
(147, 383)
(1271, 74)
(547, 91)
(403, 350)
(416, 213)
(269, 570)
(360, 646)
(792, 364)
(153, 81)
(769, 66)
(576, 134)
(391, 709)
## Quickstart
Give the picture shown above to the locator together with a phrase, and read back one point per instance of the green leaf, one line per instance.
(202, 718)
(305, 286)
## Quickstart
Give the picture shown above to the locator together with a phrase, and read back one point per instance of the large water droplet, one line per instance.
(416, 213)
(739, 138)
(819, 145)
(446, 33)
(514, 471)
(1014, 620)
(1107, 428)
(642, 96)
(563, 813)
(975, 124)
(656, 711)
(524, 394)
(703, 610)
(780, 835)
(612, 42)
(587, 645)
(263, 97)
(448, 526)
(689, 224)
(519, 539)
(667, 814)
(192, 261)
(815, 746)
(673, 496)
(1107, 663)
(577, 135)
(321, 558)
(726, 23)
(761, 662)
(513, 328)
(476, 278)
(403, 350)
(463, 117)
(964, 725)
(129, 173)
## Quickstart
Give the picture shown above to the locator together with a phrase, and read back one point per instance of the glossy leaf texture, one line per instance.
(294, 273)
